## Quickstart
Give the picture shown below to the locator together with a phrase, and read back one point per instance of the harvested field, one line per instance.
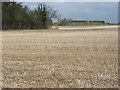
(60, 58)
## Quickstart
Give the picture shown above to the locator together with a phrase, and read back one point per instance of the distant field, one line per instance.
(60, 58)
(88, 27)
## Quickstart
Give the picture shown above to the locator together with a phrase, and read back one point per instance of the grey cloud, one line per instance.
(107, 11)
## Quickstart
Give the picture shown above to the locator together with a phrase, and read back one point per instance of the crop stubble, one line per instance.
(60, 58)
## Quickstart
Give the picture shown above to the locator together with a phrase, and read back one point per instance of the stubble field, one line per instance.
(60, 58)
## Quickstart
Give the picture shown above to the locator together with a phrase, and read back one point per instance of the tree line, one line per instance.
(17, 16)
(66, 22)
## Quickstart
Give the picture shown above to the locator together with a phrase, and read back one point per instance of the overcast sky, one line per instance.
(67, 0)
(107, 11)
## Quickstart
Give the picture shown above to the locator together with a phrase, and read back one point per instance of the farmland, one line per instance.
(60, 58)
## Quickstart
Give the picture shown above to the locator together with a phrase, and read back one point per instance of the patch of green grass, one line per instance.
(88, 25)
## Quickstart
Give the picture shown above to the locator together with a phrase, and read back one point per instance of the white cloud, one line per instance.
(83, 11)
(67, 0)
